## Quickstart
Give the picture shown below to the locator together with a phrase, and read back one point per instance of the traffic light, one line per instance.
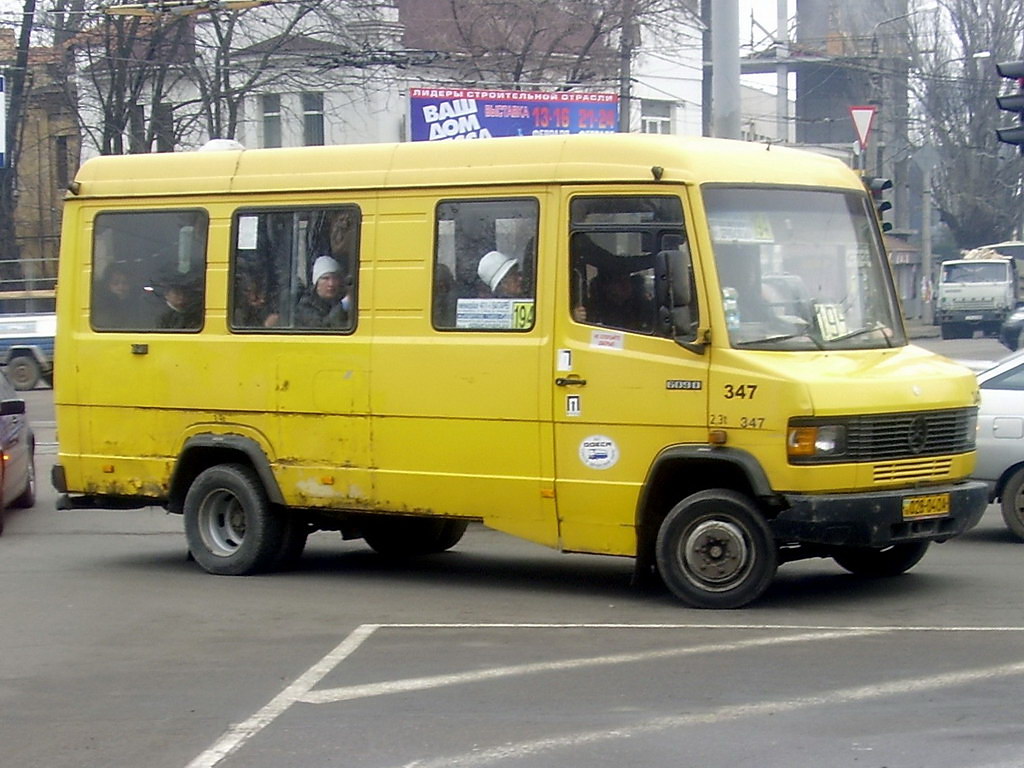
(1012, 102)
(875, 186)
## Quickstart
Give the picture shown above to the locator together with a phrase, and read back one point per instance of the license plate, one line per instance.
(973, 317)
(918, 507)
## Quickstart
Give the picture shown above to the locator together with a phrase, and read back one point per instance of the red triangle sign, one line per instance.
(863, 117)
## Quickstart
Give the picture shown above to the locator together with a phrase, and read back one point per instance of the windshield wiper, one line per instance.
(885, 330)
(781, 337)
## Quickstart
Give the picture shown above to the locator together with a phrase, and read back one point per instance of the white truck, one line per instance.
(26, 348)
(977, 292)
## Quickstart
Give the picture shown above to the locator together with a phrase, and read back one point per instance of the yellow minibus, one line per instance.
(685, 351)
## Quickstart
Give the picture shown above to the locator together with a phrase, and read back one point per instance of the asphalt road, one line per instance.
(116, 651)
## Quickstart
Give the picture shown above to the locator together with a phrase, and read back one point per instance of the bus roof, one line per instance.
(518, 160)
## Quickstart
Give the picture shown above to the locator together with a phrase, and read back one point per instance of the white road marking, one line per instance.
(240, 733)
(330, 695)
(301, 691)
(715, 716)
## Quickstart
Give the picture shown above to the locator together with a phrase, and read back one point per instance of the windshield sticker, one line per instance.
(607, 340)
(573, 405)
(599, 452)
(564, 360)
(831, 321)
(742, 228)
(505, 314)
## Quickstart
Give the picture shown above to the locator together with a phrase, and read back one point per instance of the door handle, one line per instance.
(570, 382)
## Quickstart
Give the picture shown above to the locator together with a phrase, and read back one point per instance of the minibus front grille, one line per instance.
(918, 469)
(909, 435)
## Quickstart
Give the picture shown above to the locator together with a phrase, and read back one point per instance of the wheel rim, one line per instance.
(222, 523)
(715, 555)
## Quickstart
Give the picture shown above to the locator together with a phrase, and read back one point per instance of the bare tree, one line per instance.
(124, 63)
(16, 89)
(977, 184)
(525, 42)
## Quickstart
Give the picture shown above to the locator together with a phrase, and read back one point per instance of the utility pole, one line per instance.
(627, 42)
(782, 71)
(725, 65)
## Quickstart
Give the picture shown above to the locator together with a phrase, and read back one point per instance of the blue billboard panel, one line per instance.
(443, 114)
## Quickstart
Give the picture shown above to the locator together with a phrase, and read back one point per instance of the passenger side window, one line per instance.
(295, 269)
(149, 271)
(618, 280)
(485, 264)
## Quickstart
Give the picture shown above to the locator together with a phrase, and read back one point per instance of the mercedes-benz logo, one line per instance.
(917, 434)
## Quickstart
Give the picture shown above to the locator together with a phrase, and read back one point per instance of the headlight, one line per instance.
(821, 441)
(972, 430)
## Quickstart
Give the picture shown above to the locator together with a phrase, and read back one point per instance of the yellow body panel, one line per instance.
(399, 417)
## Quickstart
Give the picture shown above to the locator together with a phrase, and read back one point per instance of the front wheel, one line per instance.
(231, 527)
(880, 563)
(1012, 503)
(714, 550)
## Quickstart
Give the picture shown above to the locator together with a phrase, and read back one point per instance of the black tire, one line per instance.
(946, 331)
(23, 373)
(395, 536)
(231, 527)
(714, 550)
(1011, 503)
(451, 534)
(881, 563)
(28, 496)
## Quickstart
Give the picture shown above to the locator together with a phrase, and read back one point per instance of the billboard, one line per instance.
(444, 114)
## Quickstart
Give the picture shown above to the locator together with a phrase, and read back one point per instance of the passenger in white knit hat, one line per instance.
(502, 275)
(322, 306)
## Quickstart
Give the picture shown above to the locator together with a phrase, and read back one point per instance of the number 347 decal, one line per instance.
(740, 391)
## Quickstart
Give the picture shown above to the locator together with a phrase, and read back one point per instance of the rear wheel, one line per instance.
(23, 372)
(410, 536)
(231, 527)
(880, 563)
(1012, 503)
(714, 550)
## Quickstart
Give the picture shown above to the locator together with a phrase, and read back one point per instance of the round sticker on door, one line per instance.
(599, 452)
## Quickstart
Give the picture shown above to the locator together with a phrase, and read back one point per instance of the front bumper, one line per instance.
(876, 519)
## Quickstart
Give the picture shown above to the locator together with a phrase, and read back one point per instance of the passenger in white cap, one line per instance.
(502, 275)
(322, 306)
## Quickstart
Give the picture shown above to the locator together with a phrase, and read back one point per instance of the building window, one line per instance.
(163, 127)
(271, 119)
(61, 166)
(137, 129)
(655, 116)
(313, 119)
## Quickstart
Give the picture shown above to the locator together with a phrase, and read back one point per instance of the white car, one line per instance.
(1001, 438)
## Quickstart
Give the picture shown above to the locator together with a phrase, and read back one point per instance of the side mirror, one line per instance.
(12, 407)
(675, 292)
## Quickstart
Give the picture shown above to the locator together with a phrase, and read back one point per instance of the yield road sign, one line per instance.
(863, 117)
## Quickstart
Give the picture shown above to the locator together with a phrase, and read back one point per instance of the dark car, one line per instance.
(1011, 332)
(17, 451)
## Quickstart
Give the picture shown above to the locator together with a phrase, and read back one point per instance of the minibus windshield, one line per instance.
(801, 269)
